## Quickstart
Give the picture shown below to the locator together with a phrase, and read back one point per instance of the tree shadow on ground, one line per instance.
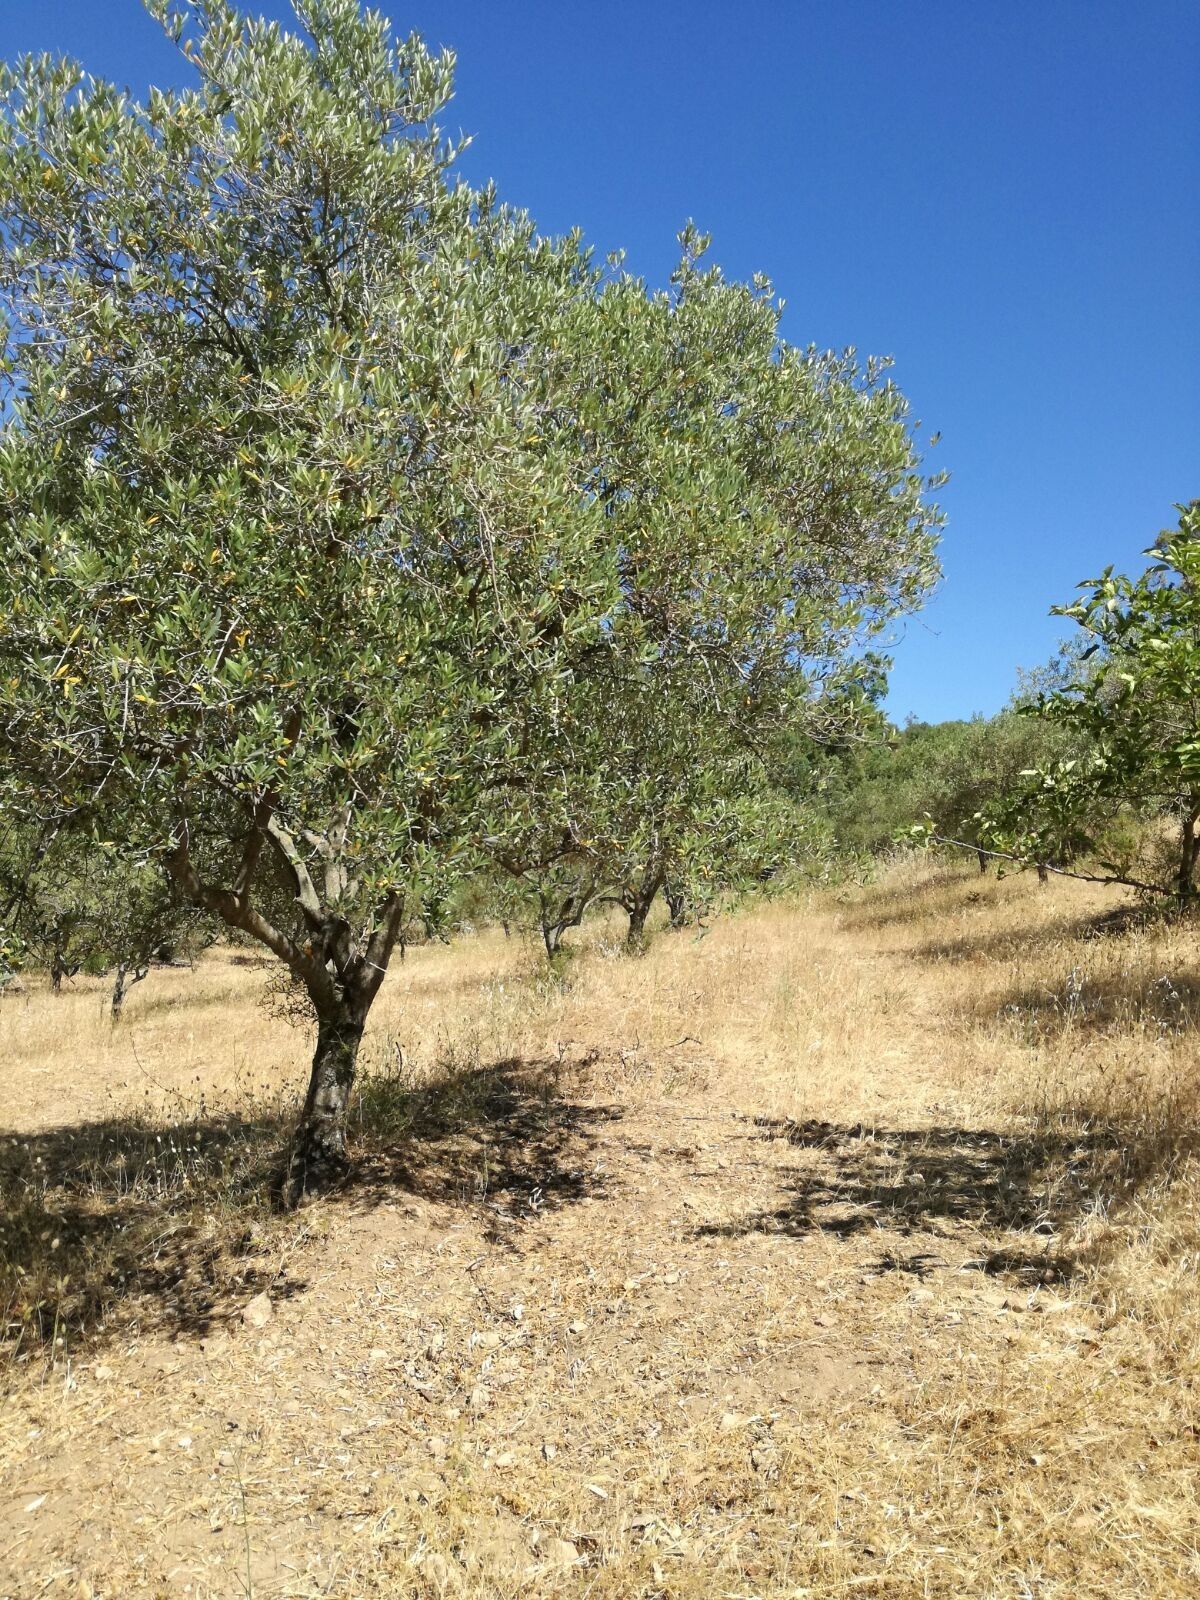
(1007, 944)
(167, 1226)
(890, 904)
(506, 1136)
(1027, 1190)
(1165, 1006)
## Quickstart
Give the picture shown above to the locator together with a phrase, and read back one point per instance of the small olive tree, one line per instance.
(73, 904)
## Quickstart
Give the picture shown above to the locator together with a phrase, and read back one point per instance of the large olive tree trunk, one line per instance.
(318, 1159)
(341, 971)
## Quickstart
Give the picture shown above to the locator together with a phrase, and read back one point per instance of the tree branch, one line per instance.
(306, 894)
(382, 942)
(1047, 866)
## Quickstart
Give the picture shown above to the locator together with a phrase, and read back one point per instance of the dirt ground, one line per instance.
(843, 1249)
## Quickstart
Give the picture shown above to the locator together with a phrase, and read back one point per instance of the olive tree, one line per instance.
(1133, 701)
(296, 554)
(73, 904)
(769, 520)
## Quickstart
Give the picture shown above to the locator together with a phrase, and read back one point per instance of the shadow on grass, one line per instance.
(884, 905)
(1028, 1190)
(1007, 944)
(507, 1136)
(167, 1227)
(1164, 1006)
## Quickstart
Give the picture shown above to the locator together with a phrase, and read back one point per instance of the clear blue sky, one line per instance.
(1003, 196)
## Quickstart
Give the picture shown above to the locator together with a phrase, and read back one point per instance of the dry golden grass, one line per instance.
(846, 1248)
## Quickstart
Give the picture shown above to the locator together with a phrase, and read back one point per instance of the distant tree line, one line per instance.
(1093, 768)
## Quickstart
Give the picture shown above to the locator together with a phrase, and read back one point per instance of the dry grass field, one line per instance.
(849, 1248)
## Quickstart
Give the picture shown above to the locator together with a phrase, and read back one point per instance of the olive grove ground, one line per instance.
(847, 1248)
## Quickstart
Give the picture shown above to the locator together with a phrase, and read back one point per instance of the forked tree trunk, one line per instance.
(676, 904)
(318, 1159)
(122, 984)
(638, 906)
(555, 920)
(341, 979)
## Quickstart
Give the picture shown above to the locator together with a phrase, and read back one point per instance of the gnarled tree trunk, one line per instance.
(340, 971)
(122, 984)
(676, 904)
(558, 916)
(318, 1159)
(638, 904)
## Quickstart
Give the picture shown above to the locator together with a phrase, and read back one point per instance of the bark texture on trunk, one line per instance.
(122, 984)
(1188, 855)
(676, 905)
(568, 913)
(318, 1160)
(638, 907)
(340, 972)
(118, 994)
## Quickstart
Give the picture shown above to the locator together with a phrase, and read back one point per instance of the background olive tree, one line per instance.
(768, 518)
(1131, 701)
(73, 904)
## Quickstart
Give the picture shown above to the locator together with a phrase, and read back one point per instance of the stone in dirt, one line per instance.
(557, 1553)
(258, 1312)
